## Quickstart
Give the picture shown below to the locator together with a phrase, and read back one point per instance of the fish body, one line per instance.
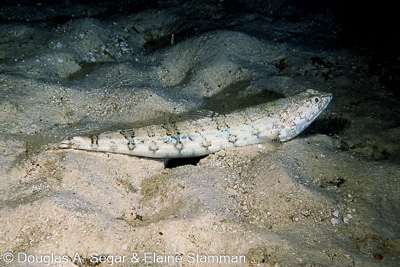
(281, 120)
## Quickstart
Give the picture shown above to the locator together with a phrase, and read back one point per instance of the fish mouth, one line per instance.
(308, 121)
(327, 99)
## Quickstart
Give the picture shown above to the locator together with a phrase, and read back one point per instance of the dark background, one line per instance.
(367, 27)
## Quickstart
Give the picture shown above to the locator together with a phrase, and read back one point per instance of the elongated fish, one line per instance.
(282, 120)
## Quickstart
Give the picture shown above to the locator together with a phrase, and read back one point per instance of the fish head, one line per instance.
(301, 110)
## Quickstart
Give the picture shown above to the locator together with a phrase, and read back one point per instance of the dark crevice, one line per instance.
(176, 162)
(327, 126)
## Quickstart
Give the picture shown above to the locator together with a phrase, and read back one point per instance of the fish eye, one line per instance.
(316, 100)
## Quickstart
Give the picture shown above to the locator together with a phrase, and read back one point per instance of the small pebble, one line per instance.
(334, 221)
(336, 213)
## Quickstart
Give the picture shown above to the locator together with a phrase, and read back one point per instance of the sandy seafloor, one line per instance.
(329, 197)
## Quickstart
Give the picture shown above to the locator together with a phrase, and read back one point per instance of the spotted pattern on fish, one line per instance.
(282, 120)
